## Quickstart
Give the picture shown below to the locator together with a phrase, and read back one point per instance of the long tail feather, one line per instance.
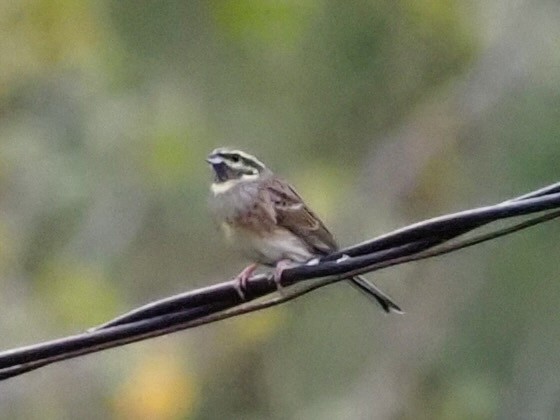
(373, 291)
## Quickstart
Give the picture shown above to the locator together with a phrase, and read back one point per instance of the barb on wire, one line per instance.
(209, 304)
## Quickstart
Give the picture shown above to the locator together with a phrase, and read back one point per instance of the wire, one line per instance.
(419, 241)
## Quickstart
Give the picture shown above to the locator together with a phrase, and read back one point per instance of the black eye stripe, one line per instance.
(238, 158)
(230, 156)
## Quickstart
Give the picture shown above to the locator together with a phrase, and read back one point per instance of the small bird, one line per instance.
(263, 217)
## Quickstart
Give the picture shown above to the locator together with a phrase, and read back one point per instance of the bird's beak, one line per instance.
(218, 166)
(213, 159)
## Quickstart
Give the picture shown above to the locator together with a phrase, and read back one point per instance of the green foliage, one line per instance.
(76, 295)
(107, 111)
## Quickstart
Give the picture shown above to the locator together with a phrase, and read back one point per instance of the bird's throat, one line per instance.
(222, 187)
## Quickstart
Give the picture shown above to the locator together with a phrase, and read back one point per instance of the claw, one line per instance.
(280, 267)
(241, 280)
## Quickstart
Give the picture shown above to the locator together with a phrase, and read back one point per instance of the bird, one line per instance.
(263, 217)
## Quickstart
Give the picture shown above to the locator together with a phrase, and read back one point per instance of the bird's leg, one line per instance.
(242, 278)
(281, 266)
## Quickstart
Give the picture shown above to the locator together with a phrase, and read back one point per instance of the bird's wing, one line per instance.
(294, 215)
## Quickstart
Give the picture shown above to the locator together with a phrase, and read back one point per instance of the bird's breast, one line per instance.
(267, 248)
(231, 199)
(250, 227)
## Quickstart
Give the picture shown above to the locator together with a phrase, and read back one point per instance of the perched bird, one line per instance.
(264, 218)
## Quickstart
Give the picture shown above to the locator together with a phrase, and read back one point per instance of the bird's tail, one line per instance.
(373, 291)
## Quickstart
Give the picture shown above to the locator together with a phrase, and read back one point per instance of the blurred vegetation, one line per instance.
(381, 112)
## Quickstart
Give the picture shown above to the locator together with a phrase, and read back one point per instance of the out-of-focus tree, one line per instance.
(381, 112)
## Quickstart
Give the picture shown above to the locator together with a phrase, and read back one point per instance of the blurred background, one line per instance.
(381, 112)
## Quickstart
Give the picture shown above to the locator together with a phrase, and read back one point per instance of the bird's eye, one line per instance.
(235, 158)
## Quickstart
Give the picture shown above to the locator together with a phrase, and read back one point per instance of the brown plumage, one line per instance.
(294, 215)
(264, 218)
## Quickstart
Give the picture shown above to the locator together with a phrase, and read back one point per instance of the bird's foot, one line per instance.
(241, 280)
(280, 267)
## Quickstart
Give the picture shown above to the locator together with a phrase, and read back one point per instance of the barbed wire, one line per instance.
(198, 307)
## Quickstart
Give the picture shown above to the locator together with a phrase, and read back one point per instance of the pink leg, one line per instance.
(281, 266)
(242, 278)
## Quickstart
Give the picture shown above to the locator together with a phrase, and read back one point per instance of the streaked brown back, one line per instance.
(294, 215)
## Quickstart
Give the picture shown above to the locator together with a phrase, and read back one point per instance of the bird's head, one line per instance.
(234, 165)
